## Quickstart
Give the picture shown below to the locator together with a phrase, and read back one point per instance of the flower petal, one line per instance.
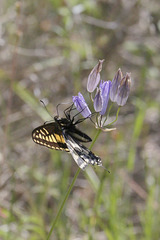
(105, 87)
(124, 90)
(98, 101)
(115, 84)
(81, 105)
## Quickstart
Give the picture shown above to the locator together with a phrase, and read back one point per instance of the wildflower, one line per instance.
(115, 84)
(94, 77)
(105, 89)
(81, 105)
(117, 91)
(124, 90)
(98, 100)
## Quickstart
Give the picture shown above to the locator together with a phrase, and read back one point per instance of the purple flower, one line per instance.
(115, 84)
(105, 89)
(124, 90)
(102, 97)
(94, 77)
(81, 105)
(98, 100)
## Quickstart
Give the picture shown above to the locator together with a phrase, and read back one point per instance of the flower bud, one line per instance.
(81, 105)
(94, 77)
(124, 90)
(115, 84)
(105, 88)
(98, 100)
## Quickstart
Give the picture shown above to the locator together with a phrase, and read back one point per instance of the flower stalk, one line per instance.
(69, 190)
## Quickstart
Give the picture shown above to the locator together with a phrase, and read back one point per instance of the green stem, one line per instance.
(116, 117)
(69, 190)
(90, 96)
(108, 112)
(63, 203)
(95, 138)
(110, 109)
(97, 121)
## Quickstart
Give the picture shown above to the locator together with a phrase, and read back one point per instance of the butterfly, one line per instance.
(63, 134)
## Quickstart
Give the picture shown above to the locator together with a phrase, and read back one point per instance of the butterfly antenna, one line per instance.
(57, 109)
(61, 104)
(46, 108)
(105, 168)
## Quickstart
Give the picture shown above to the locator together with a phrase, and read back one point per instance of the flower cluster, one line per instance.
(101, 92)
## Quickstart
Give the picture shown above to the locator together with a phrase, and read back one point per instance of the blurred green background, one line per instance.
(47, 49)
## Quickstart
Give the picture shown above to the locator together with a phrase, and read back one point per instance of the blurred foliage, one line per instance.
(47, 49)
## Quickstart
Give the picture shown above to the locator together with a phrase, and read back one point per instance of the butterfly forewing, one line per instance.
(50, 135)
(79, 135)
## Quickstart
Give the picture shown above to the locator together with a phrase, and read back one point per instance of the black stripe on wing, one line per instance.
(50, 135)
(79, 135)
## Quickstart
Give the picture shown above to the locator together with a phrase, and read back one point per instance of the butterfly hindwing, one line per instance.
(50, 135)
(82, 155)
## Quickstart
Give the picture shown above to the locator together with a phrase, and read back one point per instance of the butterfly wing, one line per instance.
(50, 135)
(82, 155)
(80, 136)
